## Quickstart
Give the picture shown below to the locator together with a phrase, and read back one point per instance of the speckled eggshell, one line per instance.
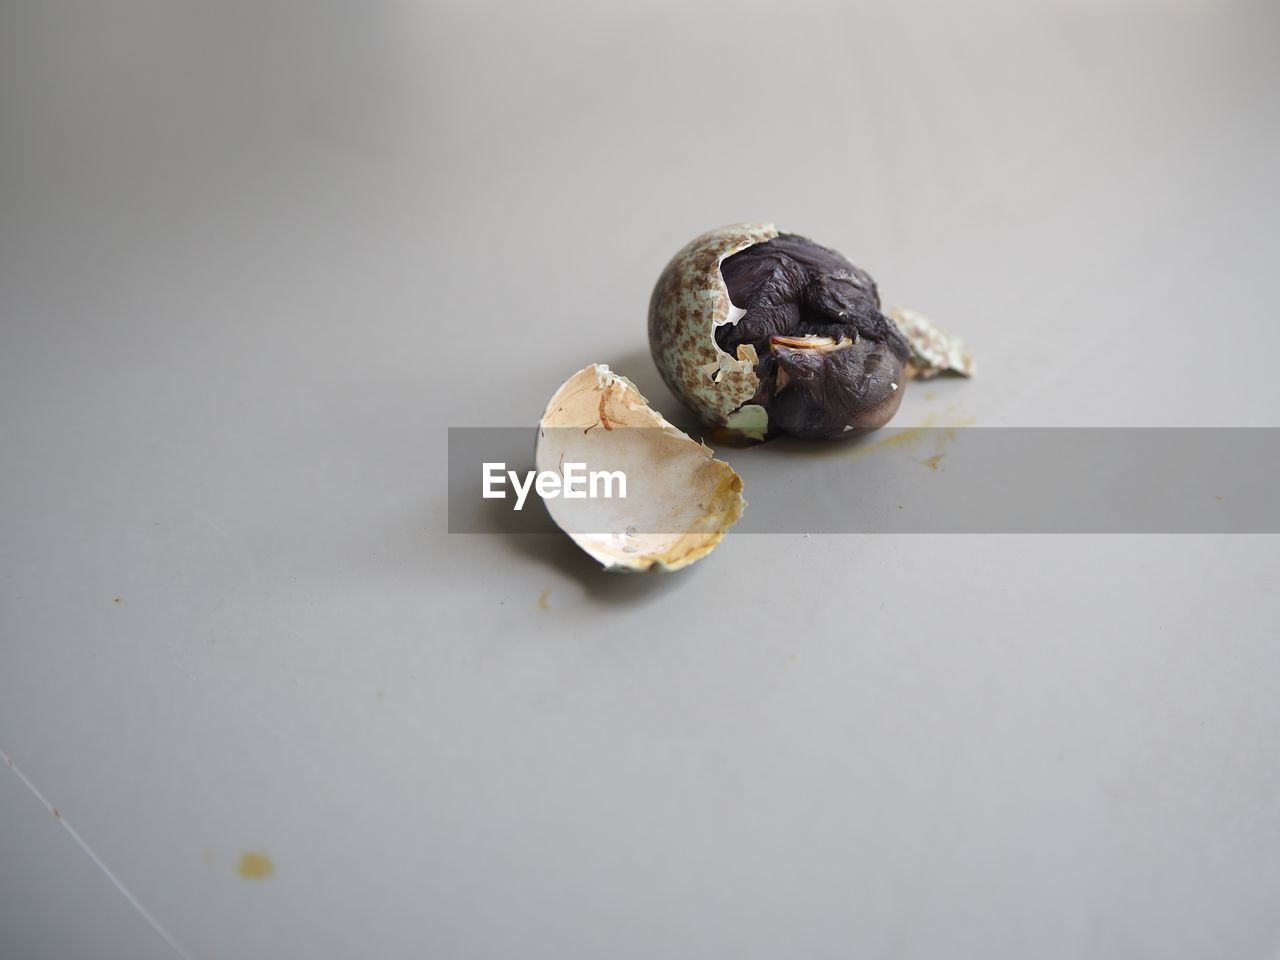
(689, 301)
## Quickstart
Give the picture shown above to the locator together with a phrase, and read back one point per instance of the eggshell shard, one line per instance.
(680, 500)
(933, 350)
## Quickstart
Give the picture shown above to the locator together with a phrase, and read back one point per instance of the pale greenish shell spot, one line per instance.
(751, 420)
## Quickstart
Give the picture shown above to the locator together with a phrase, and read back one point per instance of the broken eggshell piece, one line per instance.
(933, 350)
(679, 499)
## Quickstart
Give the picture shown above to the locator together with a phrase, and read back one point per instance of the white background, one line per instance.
(255, 258)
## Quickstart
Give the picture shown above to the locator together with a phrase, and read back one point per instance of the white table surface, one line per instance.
(255, 258)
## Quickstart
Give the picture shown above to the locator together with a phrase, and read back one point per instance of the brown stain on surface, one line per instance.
(909, 441)
(255, 866)
(543, 599)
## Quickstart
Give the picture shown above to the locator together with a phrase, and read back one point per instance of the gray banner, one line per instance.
(926, 480)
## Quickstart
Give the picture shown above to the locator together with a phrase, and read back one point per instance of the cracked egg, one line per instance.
(679, 500)
(763, 333)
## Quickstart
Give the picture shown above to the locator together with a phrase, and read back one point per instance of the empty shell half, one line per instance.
(678, 499)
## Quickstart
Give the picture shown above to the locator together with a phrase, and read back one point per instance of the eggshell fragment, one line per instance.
(680, 500)
(933, 350)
